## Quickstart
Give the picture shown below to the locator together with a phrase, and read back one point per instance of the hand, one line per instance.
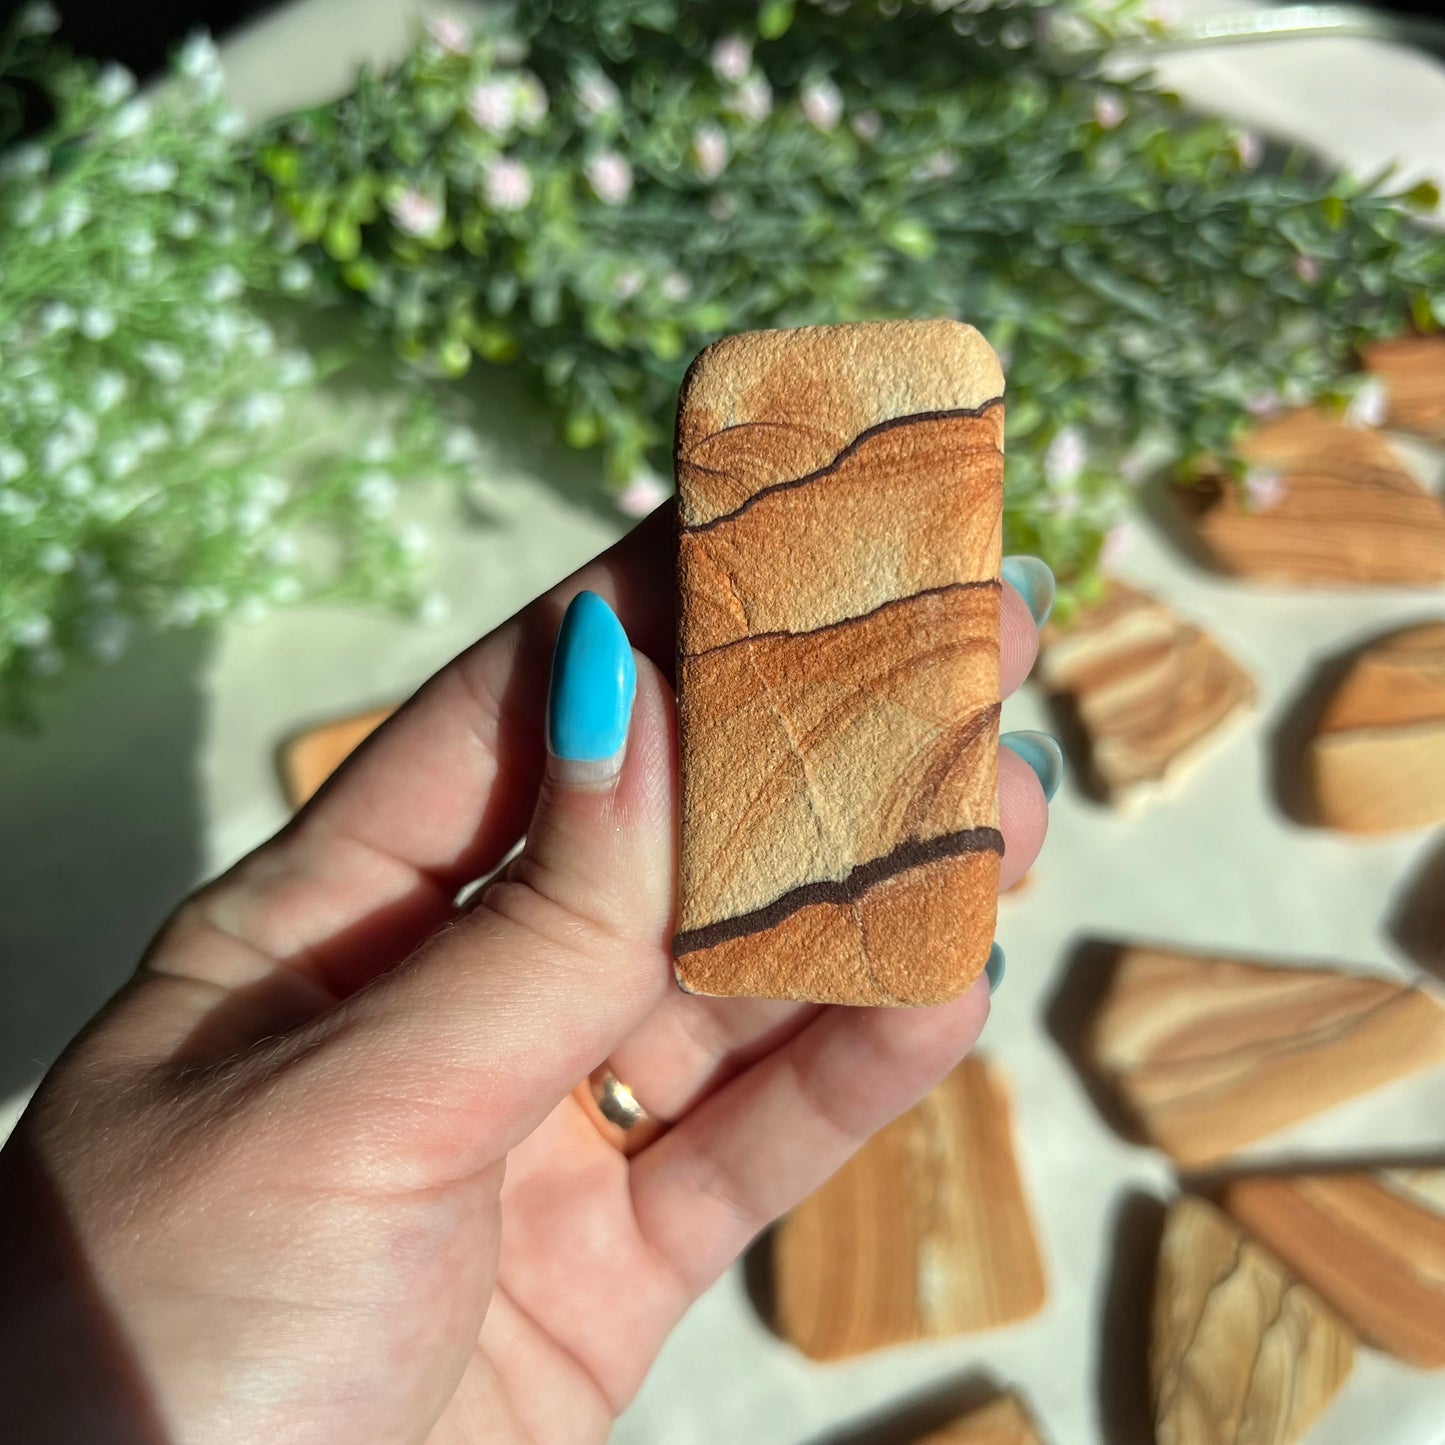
(318, 1174)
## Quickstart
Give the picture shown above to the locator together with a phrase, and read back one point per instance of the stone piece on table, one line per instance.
(309, 758)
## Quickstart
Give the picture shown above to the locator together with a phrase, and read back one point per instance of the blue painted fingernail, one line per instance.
(1033, 580)
(1042, 754)
(994, 969)
(594, 682)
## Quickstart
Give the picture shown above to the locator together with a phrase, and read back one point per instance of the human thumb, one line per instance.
(498, 1016)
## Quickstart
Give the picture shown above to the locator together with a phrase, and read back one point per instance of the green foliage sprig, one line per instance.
(594, 192)
(160, 463)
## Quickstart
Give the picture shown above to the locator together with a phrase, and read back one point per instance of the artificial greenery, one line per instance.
(159, 457)
(594, 191)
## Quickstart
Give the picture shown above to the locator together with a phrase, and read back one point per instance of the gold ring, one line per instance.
(615, 1113)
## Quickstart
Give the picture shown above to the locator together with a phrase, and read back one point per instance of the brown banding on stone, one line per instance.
(840, 516)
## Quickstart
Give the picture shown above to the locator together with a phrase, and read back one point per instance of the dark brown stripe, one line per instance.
(848, 621)
(961, 413)
(911, 853)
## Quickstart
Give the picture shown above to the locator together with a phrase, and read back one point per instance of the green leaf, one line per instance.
(1333, 210)
(1423, 196)
(774, 18)
(912, 238)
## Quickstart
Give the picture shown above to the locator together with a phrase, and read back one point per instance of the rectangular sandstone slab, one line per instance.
(840, 497)
(1004, 1421)
(924, 1233)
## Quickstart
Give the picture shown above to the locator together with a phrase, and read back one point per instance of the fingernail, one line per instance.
(1042, 754)
(994, 969)
(589, 703)
(1033, 580)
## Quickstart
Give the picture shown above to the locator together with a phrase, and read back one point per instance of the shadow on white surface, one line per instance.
(100, 836)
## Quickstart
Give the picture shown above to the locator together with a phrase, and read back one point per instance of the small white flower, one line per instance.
(433, 608)
(285, 550)
(108, 636)
(753, 99)
(1370, 404)
(107, 389)
(130, 119)
(198, 56)
(731, 58)
(17, 506)
(822, 104)
(152, 437)
(867, 125)
(610, 176)
(76, 482)
(225, 283)
(163, 361)
(381, 448)
(224, 330)
(596, 94)
(252, 610)
(113, 85)
(97, 322)
(531, 100)
(12, 463)
(287, 589)
(413, 539)
(193, 418)
(1109, 110)
(183, 225)
(295, 369)
(44, 394)
(39, 18)
(55, 559)
(56, 317)
(251, 517)
(151, 178)
(416, 213)
(1306, 268)
(34, 630)
(376, 494)
(140, 244)
(1066, 456)
(507, 184)
(120, 460)
(185, 608)
(710, 152)
(230, 124)
(493, 106)
(1248, 149)
(1264, 488)
(643, 494)
(72, 215)
(24, 161)
(459, 446)
(259, 410)
(449, 33)
(674, 286)
(629, 283)
(295, 275)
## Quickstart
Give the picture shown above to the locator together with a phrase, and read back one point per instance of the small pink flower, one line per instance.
(417, 213)
(493, 106)
(1262, 403)
(710, 152)
(822, 104)
(1264, 488)
(753, 99)
(867, 125)
(1248, 149)
(1109, 110)
(628, 284)
(610, 176)
(507, 184)
(1117, 543)
(732, 58)
(1066, 456)
(1162, 12)
(1369, 405)
(1306, 268)
(643, 494)
(449, 33)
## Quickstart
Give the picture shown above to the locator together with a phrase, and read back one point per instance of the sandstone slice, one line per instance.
(308, 759)
(1413, 371)
(1349, 511)
(1377, 762)
(1004, 1421)
(840, 511)
(1241, 1353)
(1209, 1054)
(1152, 693)
(1372, 1244)
(925, 1232)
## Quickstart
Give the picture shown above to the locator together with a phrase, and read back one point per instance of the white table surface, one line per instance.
(149, 776)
